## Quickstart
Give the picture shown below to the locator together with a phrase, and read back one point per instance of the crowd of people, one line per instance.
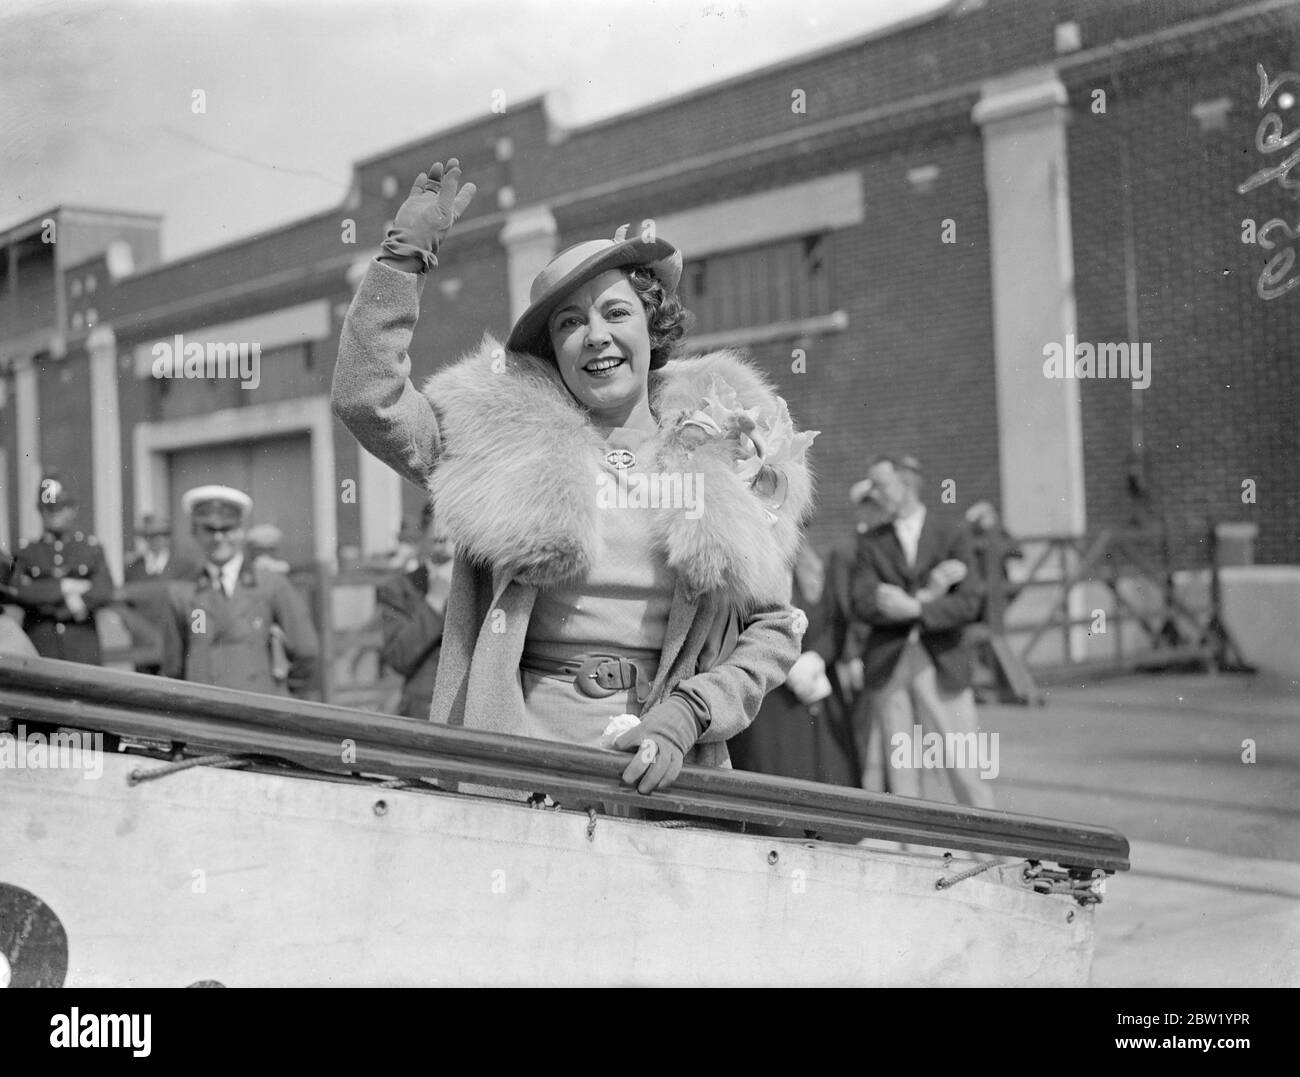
(233, 619)
(708, 632)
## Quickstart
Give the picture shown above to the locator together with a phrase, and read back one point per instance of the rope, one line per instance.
(943, 883)
(692, 824)
(227, 761)
(421, 784)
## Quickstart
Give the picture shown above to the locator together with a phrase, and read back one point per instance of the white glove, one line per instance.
(72, 592)
(807, 678)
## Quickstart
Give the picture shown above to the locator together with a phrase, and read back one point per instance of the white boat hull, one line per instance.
(262, 880)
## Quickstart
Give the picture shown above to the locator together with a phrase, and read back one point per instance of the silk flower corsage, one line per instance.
(759, 440)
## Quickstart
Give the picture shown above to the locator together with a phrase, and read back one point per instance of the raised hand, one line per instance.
(436, 200)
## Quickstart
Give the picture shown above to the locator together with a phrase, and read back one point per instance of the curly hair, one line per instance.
(667, 319)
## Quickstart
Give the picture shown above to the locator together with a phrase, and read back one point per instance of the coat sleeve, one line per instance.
(961, 605)
(372, 392)
(176, 640)
(101, 583)
(411, 629)
(301, 642)
(731, 691)
(865, 579)
(42, 595)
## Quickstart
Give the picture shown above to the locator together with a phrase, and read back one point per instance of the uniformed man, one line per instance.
(60, 580)
(231, 612)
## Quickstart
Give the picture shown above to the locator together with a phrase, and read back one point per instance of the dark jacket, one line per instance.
(412, 638)
(848, 634)
(150, 598)
(227, 641)
(177, 568)
(881, 560)
(36, 583)
(793, 739)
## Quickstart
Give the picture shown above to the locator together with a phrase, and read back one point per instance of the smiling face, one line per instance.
(601, 340)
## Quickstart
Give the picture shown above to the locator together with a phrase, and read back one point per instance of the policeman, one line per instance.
(60, 580)
(239, 621)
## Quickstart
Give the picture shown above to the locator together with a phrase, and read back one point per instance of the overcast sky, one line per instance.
(95, 98)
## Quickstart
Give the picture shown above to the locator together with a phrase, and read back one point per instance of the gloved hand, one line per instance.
(947, 573)
(436, 200)
(942, 577)
(667, 731)
(72, 597)
(807, 678)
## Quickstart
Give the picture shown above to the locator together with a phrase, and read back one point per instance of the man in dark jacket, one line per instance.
(412, 607)
(159, 561)
(60, 580)
(145, 590)
(914, 586)
(239, 622)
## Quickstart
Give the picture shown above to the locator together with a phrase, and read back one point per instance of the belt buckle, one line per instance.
(597, 676)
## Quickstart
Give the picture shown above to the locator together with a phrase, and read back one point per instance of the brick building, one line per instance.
(912, 217)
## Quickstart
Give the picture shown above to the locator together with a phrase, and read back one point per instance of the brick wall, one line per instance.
(1225, 387)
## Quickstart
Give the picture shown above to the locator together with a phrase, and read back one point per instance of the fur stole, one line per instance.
(519, 472)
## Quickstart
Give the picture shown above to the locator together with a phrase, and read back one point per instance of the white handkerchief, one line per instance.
(618, 725)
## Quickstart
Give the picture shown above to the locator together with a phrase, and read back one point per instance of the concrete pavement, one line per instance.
(1213, 898)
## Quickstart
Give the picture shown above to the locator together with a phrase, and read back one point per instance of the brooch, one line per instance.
(621, 459)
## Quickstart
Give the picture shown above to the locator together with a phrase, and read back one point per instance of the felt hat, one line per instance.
(578, 264)
(152, 524)
(264, 537)
(221, 506)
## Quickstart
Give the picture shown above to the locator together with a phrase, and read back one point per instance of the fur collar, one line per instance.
(519, 473)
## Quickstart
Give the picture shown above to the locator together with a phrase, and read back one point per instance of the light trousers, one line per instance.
(912, 697)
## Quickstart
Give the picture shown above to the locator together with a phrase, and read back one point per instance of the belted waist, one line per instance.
(597, 675)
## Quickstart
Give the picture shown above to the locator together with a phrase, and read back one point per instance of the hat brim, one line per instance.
(657, 255)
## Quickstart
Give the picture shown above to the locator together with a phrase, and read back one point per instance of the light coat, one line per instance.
(512, 463)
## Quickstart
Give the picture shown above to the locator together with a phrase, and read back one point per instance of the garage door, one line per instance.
(274, 472)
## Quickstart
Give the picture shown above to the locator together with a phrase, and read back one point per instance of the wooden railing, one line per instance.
(328, 742)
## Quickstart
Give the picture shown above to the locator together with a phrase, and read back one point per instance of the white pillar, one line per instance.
(1026, 173)
(529, 240)
(6, 539)
(28, 464)
(379, 496)
(106, 444)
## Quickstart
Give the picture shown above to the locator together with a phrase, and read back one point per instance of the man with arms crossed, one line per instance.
(913, 585)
